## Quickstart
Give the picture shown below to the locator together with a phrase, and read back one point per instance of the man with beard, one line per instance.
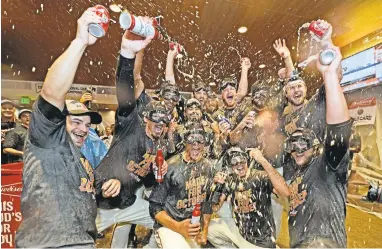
(260, 126)
(15, 139)
(133, 149)
(212, 103)
(318, 186)
(186, 184)
(232, 95)
(193, 114)
(250, 191)
(59, 188)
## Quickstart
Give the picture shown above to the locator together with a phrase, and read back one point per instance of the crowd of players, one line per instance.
(238, 161)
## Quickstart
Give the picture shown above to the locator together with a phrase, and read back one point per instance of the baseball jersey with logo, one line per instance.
(251, 204)
(185, 185)
(318, 193)
(58, 199)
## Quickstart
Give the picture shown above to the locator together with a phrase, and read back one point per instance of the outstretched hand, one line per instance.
(281, 48)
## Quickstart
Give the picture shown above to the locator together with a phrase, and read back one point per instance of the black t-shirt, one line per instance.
(312, 116)
(131, 152)
(58, 198)
(318, 192)
(15, 139)
(185, 185)
(252, 208)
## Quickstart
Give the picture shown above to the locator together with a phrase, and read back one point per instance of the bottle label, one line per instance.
(195, 219)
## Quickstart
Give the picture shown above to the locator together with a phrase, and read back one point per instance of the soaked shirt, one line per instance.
(58, 198)
(252, 208)
(185, 185)
(132, 152)
(312, 115)
(318, 192)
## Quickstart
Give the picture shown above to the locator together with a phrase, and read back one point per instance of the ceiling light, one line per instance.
(115, 7)
(212, 84)
(261, 65)
(242, 29)
(106, 108)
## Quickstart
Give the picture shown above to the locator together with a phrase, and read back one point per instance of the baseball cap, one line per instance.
(200, 85)
(7, 101)
(226, 82)
(76, 108)
(258, 86)
(157, 112)
(193, 102)
(24, 110)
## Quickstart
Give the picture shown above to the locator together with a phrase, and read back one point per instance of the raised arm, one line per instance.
(283, 51)
(171, 55)
(126, 92)
(243, 84)
(138, 83)
(278, 182)
(336, 106)
(61, 75)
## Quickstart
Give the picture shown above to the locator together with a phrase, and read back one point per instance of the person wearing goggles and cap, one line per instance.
(140, 131)
(301, 112)
(232, 95)
(193, 114)
(319, 181)
(58, 200)
(186, 184)
(250, 192)
(200, 91)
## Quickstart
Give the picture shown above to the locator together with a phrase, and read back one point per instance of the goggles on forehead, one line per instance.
(195, 138)
(159, 116)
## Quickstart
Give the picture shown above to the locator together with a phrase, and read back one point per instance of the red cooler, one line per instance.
(11, 186)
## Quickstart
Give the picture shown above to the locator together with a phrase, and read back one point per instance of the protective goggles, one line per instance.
(170, 95)
(237, 159)
(195, 138)
(159, 116)
(190, 104)
(225, 84)
(299, 144)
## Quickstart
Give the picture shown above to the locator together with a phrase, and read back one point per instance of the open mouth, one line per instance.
(158, 129)
(297, 95)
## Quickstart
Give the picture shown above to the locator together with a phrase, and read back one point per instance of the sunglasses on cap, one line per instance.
(159, 116)
(195, 138)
